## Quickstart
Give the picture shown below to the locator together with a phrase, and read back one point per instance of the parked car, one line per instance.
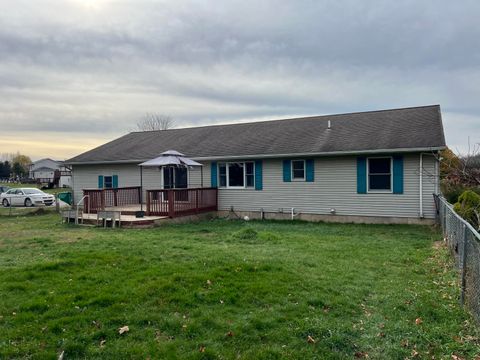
(26, 197)
(4, 188)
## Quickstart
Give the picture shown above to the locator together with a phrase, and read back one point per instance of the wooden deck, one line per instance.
(126, 220)
(170, 203)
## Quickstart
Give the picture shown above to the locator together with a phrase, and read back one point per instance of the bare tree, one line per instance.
(153, 121)
(462, 169)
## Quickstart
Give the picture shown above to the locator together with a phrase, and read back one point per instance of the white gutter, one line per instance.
(270, 156)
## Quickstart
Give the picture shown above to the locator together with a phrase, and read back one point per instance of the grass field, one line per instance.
(228, 289)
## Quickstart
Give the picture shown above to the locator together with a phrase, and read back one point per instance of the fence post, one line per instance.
(464, 267)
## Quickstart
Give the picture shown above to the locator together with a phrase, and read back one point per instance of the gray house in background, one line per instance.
(50, 171)
(376, 166)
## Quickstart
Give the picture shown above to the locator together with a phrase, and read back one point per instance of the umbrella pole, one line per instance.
(141, 188)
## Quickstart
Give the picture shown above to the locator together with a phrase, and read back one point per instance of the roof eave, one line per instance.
(270, 156)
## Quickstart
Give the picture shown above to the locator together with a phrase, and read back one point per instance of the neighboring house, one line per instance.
(50, 171)
(376, 166)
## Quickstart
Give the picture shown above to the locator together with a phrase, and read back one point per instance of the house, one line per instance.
(374, 166)
(48, 171)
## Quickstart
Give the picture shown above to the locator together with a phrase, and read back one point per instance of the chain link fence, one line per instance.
(464, 244)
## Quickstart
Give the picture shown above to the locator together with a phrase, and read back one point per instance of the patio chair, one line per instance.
(112, 216)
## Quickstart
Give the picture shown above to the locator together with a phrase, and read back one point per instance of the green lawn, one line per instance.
(227, 290)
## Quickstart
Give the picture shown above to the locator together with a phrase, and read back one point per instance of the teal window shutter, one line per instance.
(310, 170)
(258, 175)
(287, 170)
(115, 181)
(100, 181)
(361, 175)
(214, 169)
(398, 174)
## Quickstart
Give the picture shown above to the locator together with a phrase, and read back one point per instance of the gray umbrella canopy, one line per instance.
(170, 158)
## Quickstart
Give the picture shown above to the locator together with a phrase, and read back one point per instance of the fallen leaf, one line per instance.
(456, 357)
(418, 321)
(123, 329)
(414, 353)
(310, 340)
(60, 357)
(229, 334)
(209, 282)
(102, 343)
(361, 355)
(458, 339)
(202, 349)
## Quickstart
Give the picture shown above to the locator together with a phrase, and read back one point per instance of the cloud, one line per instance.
(92, 68)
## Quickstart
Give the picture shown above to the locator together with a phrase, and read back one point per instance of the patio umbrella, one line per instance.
(167, 158)
(170, 158)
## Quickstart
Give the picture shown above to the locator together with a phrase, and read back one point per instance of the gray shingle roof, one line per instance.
(397, 129)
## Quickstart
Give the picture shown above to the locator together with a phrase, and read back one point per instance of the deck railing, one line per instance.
(99, 199)
(181, 202)
(171, 202)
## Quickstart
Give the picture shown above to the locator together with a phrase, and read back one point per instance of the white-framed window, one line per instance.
(108, 182)
(298, 170)
(379, 174)
(236, 174)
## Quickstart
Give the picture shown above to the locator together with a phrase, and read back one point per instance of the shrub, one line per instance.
(468, 207)
(452, 192)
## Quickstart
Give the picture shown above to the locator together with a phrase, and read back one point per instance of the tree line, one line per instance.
(14, 165)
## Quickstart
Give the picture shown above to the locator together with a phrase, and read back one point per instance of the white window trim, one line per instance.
(369, 191)
(227, 176)
(304, 170)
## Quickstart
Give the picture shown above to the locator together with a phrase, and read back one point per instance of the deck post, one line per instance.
(148, 203)
(196, 201)
(102, 204)
(171, 203)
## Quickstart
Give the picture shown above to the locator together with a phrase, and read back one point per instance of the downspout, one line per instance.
(421, 186)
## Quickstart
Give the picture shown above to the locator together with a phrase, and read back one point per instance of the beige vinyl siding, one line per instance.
(335, 186)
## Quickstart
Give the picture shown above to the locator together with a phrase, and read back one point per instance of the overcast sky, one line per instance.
(75, 74)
